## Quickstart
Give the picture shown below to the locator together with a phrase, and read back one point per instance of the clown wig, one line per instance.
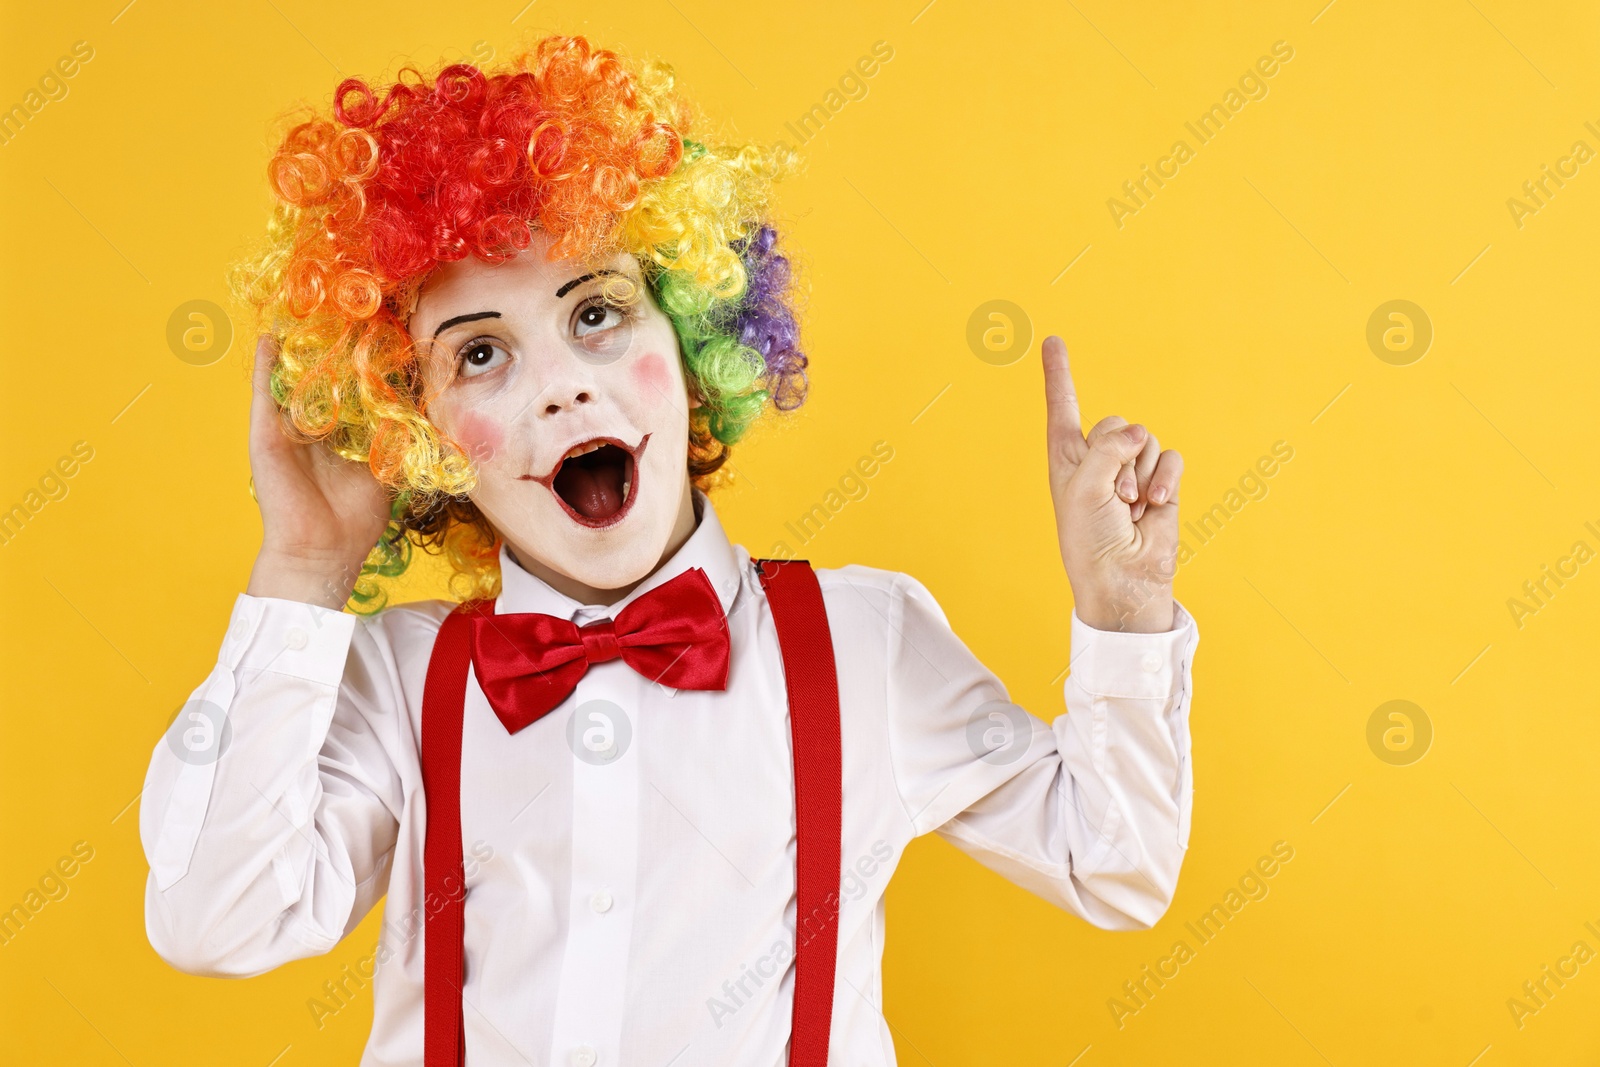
(576, 142)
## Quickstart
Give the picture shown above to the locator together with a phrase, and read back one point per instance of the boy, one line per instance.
(635, 801)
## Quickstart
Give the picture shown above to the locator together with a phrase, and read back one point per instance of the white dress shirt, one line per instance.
(630, 857)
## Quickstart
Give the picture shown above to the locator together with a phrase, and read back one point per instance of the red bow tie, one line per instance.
(526, 663)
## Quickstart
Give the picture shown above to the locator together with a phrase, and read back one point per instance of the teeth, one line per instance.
(626, 482)
(579, 450)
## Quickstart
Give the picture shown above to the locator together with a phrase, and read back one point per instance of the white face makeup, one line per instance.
(574, 411)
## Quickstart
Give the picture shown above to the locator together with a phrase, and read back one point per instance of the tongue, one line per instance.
(594, 492)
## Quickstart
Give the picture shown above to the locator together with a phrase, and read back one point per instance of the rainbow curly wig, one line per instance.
(576, 142)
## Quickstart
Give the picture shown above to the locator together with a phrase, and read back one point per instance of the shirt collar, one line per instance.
(707, 548)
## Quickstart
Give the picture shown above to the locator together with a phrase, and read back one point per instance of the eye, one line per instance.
(480, 356)
(597, 315)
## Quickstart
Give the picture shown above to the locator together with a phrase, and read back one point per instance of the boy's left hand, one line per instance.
(1116, 500)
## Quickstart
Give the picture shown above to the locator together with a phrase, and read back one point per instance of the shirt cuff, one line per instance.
(1138, 665)
(288, 637)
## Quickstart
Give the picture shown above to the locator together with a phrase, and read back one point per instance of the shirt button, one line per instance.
(295, 638)
(600, 901)
(584, 1056)
(1150, 662)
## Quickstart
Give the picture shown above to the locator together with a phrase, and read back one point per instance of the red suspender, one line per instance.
(444, 696)
(813, 686)
(811, 680)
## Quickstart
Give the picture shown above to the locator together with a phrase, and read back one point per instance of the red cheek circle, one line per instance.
(480, 436)
(651, 375)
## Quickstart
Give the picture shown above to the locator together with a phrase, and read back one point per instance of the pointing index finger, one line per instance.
(1061, 396)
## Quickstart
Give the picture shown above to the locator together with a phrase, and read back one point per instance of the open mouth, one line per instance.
(596, 481)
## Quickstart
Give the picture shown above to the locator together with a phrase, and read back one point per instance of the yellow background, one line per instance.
(1229, 313)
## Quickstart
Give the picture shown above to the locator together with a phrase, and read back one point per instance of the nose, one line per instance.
(571, 388)
(555, 404)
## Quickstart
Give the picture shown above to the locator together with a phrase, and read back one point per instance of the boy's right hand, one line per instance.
(320, 513)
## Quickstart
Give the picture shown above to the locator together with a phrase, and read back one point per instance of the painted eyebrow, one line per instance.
(565, 289)
(459, 319)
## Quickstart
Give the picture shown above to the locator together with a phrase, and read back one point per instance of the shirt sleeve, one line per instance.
(1091, 811)
(271, 805)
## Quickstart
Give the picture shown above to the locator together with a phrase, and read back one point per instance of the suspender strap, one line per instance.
(444, 1039)
(810, 677)
(812, 681)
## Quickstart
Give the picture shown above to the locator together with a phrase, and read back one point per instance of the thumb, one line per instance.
(1108, 453)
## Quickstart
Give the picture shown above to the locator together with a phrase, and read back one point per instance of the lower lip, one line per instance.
(627, 505)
